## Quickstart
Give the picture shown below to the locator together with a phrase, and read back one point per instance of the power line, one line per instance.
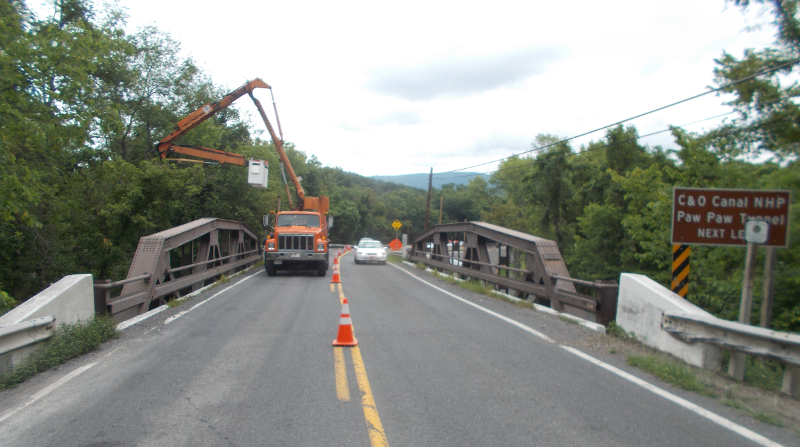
(592, 149)
(535, 162)
(730, 84)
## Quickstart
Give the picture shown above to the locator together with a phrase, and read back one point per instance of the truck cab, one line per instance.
(299, 240)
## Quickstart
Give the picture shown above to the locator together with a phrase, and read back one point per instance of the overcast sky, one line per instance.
(385, 88)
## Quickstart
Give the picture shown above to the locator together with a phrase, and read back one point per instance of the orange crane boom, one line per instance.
(194, 119)
(166, 146)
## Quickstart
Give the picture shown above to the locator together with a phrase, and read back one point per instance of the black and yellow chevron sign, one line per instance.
(680, 269)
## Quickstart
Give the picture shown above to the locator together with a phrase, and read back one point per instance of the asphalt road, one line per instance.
(254, 365)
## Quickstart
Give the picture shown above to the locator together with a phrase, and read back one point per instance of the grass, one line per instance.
(567, 319)
(394, 258)
(734, 403)
(763, 416)
(764, 374)
(70, 341)
(673, 372)
(476, 286)
(447, 278)
(768, 418)
(223, 278)
(615, 331)
(473, 285)
(420, 265)
(175, 302)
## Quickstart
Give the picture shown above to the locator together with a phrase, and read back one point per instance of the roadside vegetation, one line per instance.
(477, 286)
(69, 341)
(394, 258)
(758, 396)
(82, 183)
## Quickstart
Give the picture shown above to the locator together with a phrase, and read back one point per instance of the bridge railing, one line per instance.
(200, 251)
(527, 265)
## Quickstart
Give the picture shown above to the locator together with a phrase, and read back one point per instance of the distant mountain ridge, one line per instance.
(421, 180)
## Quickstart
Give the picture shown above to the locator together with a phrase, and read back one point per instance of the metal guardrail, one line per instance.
(541, 272)
(16, 336)
(205, 248)
(781, 346)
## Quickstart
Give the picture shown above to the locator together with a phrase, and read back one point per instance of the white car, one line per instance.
(369, 250)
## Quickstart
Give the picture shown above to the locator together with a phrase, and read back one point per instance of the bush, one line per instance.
(70, 341)
(6, 302)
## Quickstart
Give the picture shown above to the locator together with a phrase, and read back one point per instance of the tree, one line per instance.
(769, 116)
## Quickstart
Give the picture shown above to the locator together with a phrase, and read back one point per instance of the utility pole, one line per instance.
(441, 207)
(428, 202)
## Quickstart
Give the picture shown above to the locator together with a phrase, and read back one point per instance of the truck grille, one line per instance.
(298, 242)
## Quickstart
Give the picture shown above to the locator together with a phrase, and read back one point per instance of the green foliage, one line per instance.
(769, 418)
(614, 330)
(476, 286)
(764, 374)
(673, 372)
(768, 110)
(6, 302)
(70, 341)
(82, 103)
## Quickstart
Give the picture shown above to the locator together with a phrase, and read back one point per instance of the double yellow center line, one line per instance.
(377, 436)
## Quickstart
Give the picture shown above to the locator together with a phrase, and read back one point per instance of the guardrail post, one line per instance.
(101, 296)
(607, 296)
(791, 381)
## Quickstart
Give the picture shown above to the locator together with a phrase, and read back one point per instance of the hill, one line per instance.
(421, 180)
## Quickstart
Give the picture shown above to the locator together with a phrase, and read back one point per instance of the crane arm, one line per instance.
(205, 112)
(165, 146)
(207, 153)
(279, 147)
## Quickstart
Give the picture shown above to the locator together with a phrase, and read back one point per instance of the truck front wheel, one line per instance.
(269, 266)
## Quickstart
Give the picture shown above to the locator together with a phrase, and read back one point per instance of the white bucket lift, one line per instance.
(257, 173)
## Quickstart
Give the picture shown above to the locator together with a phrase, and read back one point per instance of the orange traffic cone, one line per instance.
(345, 336)
(335, 278)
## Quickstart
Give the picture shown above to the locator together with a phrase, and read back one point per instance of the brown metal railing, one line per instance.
(544, 278)
(216, 247)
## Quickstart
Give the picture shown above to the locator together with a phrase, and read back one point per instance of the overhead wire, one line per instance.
(607, 145)
(730, 84)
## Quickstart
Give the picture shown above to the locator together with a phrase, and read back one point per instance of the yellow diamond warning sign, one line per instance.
(396, 225)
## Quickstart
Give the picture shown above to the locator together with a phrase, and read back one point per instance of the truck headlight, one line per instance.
(270, 245)
(320, 246)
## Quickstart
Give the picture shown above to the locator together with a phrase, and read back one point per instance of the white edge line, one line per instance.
(48, 389)
(128, 323)
(713, 417)
(502, 317)
(178, 315)
(580, 321)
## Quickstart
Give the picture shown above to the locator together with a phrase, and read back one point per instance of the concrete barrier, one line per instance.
(641, 304)
(69, 301)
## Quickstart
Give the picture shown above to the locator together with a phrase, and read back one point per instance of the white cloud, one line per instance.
(401, 117)
(377, 88)
(463, 75)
